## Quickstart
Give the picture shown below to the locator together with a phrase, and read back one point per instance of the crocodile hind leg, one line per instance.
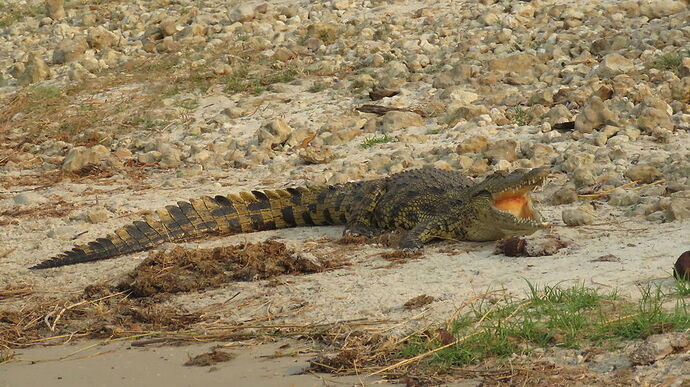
(361, 222)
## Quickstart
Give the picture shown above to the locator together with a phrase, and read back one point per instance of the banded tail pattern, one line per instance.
(231, 214)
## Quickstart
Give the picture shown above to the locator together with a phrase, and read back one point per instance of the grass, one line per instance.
(571, 317)
(257, 82)
(188, 104)
(668, 62)
(318, 86)
(683, 287)
(520, 116)
(10, 14)
(374, 140)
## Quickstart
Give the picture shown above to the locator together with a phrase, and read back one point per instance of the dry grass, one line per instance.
(133, 306)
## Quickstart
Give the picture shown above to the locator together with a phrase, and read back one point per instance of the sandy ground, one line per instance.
(119, 364)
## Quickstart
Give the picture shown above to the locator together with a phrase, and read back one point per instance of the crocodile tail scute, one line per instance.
(223, 215)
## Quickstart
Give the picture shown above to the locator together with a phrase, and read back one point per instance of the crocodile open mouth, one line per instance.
(516, 202)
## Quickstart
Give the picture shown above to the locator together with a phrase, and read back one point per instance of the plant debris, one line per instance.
(186, 270)
(210, 358)
(418, 302)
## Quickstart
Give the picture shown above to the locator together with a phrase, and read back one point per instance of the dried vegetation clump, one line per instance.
(133, 306)
(184, 270)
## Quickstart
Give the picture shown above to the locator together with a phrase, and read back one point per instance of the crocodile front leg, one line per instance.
(424, 232)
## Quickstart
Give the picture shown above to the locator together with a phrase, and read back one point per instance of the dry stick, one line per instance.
(425, 354)
(609, 192)
(52, 326)
(8, 252)
(471, 301)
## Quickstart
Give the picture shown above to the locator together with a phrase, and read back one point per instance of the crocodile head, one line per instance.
(504, 206)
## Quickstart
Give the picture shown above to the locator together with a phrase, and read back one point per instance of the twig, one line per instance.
(609, 192)
(425, 354)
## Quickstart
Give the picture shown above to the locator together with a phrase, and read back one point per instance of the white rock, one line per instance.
(577, 216)
(79, 157)
(242, 13)
(28, 198)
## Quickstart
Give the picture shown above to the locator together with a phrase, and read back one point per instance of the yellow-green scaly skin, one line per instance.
(430, 203)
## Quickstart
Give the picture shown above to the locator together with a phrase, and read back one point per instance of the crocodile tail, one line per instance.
(231, 214)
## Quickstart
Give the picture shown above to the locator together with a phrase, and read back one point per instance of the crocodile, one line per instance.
(428, 203)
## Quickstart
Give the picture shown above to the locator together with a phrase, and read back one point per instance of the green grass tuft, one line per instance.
(520, 116)
(570, 317)
(668, 62)
(371, 141)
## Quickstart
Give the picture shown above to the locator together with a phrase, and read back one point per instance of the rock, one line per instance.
(678, 209)
(168, 26)
(473, 144)
(36, 70)
(17, 69)
(578, 216)
(681, 269)
(459, 95)
(583, 176)
(559, 114)
(657, 347)
(150, 157)
(70, 50)
(77, 72)
(284, 54)
(199, 156)
(242, 13)
(541, 154)
(79, 157)
(608, 362)
(28, 198)
(313, 44)
(643, 173)
(274, 133)
(170, 157)
(379, 92)
(594, 115)
(168, 44)
(341, 4)
(565, 195)
(576, 160)
(659, 8)
(517, 63)
(100, 38)
(684, 70)
(396, 120)
(654, 119)
(502, 150)
(62, 232)
(55, 9)
(468, 113)
(316, 155)
(529, 247)
(621, 197)
(97, 215)
(614, 64)
(608, 44)
(459, 74)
